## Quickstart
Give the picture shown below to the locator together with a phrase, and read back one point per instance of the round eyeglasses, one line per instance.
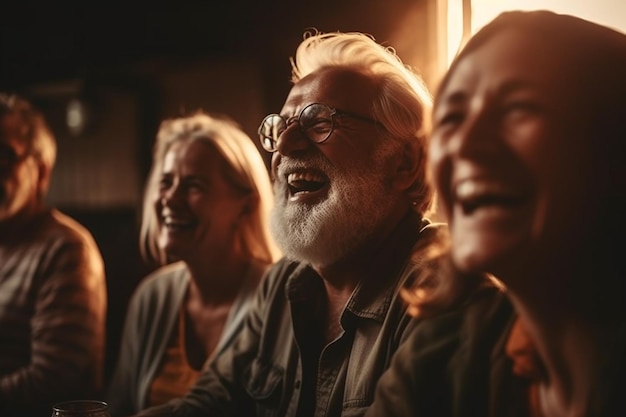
(316, 121)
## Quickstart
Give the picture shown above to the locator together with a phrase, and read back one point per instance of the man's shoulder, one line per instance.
(283, 275)
(52, 230)
(283, 269)
(59, 225)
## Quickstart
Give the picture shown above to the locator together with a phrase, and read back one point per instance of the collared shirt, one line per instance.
(277, 367)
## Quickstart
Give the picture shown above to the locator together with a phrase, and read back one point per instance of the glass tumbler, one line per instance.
(81, 408)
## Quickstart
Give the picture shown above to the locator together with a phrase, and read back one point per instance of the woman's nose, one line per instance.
(171, 195)
(477, 136)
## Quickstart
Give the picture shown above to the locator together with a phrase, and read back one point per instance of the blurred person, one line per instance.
(529, 158)
(52, 280)
(351, 203)
(206, 222)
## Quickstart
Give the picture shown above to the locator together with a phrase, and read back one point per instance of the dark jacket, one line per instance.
(455, 365)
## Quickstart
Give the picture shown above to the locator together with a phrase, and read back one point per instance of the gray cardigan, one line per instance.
(150, 319)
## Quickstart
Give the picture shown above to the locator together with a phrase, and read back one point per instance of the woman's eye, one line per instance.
(450, 118)
(165, 183)
(195, 186)
(518, 111)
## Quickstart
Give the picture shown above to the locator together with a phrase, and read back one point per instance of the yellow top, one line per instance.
(175, 375)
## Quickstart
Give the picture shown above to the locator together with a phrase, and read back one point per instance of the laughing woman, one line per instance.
(528, 153)
(205, 216)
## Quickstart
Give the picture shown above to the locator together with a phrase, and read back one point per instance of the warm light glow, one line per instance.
(610, 13)
(75, 116)
(455, 28)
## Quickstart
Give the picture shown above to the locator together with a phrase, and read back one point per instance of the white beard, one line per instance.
(324, 233)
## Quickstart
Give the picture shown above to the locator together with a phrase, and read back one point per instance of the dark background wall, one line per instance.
(131, 65)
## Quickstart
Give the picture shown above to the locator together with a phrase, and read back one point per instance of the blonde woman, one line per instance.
(205, 215)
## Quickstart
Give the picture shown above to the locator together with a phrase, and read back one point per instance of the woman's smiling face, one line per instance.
(197, 207)
(509, 153)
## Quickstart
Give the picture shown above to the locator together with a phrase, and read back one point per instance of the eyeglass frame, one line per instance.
(289, 121)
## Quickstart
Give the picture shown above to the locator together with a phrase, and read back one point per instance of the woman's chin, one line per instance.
(173, 250)
(468, 262)
(477, 256)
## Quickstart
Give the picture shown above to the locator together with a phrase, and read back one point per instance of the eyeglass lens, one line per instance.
(315, 121)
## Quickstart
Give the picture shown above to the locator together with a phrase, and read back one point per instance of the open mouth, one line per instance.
(484, 201)
(475, 195)
(174, 224)
(301, 182)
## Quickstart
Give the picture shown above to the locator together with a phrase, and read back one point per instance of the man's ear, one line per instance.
(407, 167)
(43, 178)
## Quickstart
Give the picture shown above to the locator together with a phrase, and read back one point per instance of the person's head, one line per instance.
(349, 147)
(528, 143)
(27, 156)
(208, 190)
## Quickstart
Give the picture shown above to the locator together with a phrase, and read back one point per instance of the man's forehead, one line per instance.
(343, 88)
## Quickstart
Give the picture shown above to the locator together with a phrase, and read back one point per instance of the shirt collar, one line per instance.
(375, 292)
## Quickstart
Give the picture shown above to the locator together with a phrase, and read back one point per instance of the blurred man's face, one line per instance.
(19, 172)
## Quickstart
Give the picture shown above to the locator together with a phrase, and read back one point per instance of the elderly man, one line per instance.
(351, 199)
(52, 283)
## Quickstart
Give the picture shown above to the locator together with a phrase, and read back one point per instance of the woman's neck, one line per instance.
(218, 282)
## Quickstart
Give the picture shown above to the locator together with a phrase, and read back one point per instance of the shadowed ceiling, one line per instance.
(46, 42)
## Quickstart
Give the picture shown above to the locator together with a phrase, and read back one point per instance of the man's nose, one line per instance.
(292, 140)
